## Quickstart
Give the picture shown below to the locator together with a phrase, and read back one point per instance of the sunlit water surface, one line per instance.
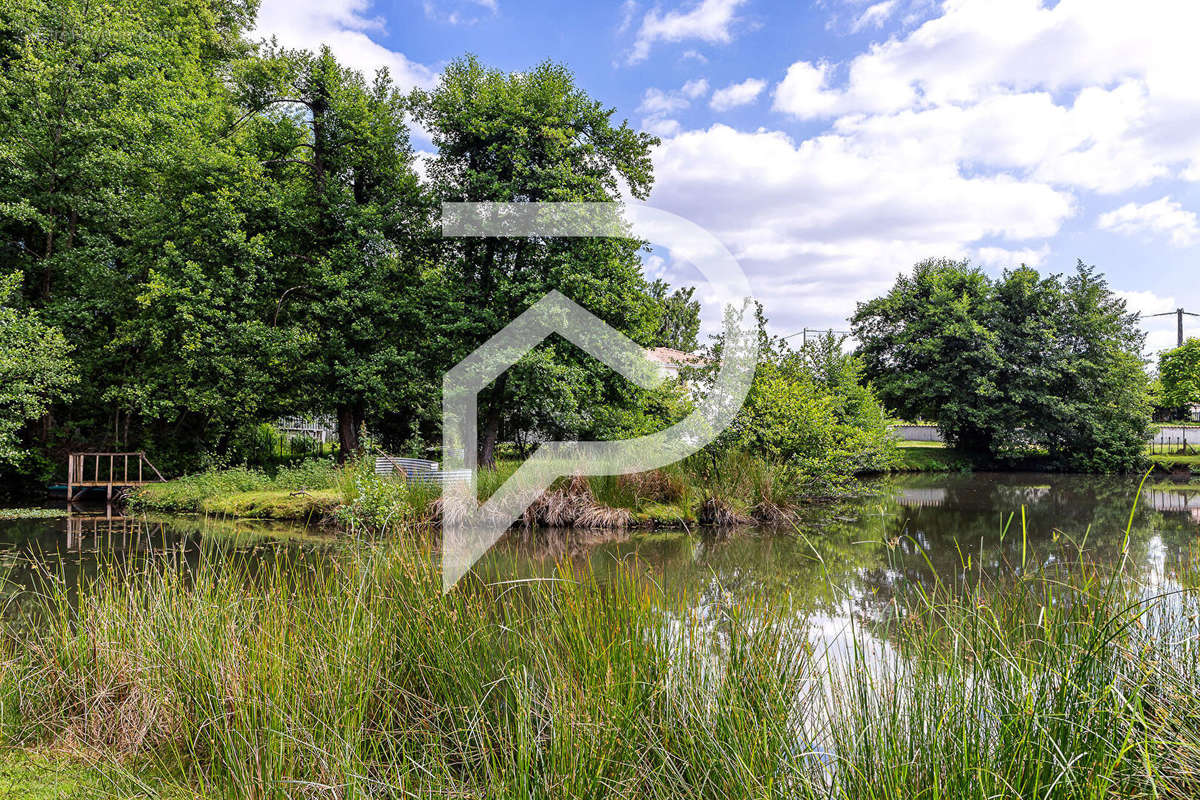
(840, 566)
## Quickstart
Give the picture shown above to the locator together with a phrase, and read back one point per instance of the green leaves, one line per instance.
(1012, 368)
(35, 369)
(1179, 371)
(536, 137)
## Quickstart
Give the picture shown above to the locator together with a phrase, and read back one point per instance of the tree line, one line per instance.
(201, 231)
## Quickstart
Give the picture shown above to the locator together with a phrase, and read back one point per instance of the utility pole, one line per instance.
(805, 332)
(1179, 312)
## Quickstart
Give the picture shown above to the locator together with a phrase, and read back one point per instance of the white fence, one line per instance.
(419, 470)
(918, 433)
(1166, 435)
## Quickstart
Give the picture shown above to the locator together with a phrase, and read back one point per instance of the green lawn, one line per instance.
(930, 457)
(40, 776)
(1169, 460)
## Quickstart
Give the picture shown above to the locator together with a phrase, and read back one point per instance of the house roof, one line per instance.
(670, 357)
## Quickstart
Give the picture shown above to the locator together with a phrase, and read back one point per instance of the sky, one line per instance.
(831, 144)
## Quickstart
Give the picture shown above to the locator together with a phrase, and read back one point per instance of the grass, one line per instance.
(1170, 460)
(361, 680)
(307, 491)
(36, 775)
(930, 457)
(32, 513)
(274, 504)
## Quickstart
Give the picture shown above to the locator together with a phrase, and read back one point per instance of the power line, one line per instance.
(805, 332)
(1179, 312)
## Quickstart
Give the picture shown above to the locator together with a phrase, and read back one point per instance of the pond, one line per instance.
(840, 563)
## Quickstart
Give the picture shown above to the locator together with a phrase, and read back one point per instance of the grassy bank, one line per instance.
(1176, 462)
(309, 491)
(363, 680)
(732, 488)
(930, 457)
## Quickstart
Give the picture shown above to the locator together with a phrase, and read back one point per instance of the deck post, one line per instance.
(70, 475)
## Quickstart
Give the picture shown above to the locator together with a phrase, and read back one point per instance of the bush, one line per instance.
(381, 503)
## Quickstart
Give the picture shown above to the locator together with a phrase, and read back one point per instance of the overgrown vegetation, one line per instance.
(721, 487)
(362, 680)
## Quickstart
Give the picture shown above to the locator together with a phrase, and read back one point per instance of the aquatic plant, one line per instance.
(359, 678)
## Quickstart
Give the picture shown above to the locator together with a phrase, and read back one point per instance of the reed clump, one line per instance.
(353, 676)
(358, 678)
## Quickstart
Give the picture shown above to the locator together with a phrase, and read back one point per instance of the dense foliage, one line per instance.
(35, 368)
(809, 410)
(536, 137)
(1020, 366)
(1179, 375)
(227, 231)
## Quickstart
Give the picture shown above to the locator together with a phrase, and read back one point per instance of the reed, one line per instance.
(352, 676)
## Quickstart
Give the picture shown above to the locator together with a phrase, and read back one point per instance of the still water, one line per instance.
(840, 563)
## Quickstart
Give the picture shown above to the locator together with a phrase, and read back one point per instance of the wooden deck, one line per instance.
(110, 470)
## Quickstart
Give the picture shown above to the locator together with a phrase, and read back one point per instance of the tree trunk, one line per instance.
(491, 425)
(349, 420)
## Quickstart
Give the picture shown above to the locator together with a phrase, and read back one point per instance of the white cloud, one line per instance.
(737, 94)
(663, 127)
(344, 26)
(823, 222)
(804, 91)
(1163, 217)
(874, 16)
(628, 12)
(1116, 108)
(708, 20)
(695, 88)
(1146, 302)
(1162, 332)
(656, 101)
(1004, 258)
(658, 105)
(459, 12)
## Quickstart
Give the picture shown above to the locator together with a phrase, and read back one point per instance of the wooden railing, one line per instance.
(85, 470)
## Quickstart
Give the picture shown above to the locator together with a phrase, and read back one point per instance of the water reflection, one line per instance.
(71, 548)
(840, 564)
(856, 562)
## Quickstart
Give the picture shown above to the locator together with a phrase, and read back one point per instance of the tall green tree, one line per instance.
(1011, 368)
(679, 321)
(534, 137)
(100, 101)
(930, 351)
(353, 235)
(1179, 372)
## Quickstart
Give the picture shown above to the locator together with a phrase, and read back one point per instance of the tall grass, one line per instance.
(355, 677)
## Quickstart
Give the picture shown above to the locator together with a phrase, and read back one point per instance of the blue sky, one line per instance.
(830, 144)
